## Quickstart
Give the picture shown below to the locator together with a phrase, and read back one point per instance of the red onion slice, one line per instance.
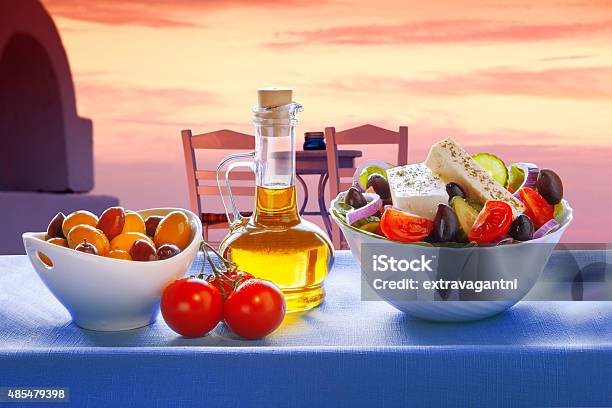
(504, 240)
(374, 204)
(531, 176)
(550, 226)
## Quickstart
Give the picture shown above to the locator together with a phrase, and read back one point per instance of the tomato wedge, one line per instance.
(537, 208)
(404, 227)
(492, 223)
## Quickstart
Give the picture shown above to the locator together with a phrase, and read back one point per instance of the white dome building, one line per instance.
(46, 157)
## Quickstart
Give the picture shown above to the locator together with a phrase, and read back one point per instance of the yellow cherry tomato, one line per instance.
(81, 217)
(94, 236)
(45, 259)
(124, 241)
(133, 223)
(58, 241)
(174, 229)
(55, 241)
(119, 254)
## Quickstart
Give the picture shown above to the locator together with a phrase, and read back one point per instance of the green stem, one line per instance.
(221, 270)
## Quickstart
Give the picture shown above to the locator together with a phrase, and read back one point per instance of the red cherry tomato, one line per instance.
(226, 283)
(492, 223)
(400, 226)
(537, 208)
(192, 307)
(255, 309)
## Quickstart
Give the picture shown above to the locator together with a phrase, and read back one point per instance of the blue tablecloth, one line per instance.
(344, 353)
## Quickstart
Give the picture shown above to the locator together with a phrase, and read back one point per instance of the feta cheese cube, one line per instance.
(415, 189)
(451, 163)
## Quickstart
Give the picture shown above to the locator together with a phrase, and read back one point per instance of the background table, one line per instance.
(344, 353)
(314, 162)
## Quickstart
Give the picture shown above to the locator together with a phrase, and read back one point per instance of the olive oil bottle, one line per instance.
(275, 243)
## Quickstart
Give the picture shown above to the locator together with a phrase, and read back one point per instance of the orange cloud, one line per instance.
(572, 83)
(151, 13)
(440, 32)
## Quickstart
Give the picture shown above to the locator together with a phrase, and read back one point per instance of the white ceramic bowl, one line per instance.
(524, 261)
(110, 294)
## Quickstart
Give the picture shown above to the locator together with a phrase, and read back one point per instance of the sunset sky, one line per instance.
(534, 76)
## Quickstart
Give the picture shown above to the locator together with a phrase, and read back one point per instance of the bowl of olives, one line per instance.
(109, 271)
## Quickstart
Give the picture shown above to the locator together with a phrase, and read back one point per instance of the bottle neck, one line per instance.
(276, 207)
(274, 145)
(275, 161)
(275, 199)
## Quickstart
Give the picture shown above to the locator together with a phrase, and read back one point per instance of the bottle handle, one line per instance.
(223, 170)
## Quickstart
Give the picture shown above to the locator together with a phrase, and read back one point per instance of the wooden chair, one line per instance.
(203, 182)
(361, 135)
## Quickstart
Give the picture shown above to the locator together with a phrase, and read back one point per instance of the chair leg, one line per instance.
(322, 206)
(205, 232)
(305, 189)
(336, 237)
(334, 180)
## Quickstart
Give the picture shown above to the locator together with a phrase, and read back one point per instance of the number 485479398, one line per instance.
(8, 394)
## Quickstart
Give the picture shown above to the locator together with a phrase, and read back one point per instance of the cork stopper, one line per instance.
(273, 97)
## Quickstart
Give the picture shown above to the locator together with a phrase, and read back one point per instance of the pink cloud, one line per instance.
(440, 32)
(127, 103)
(591, 4)
(574, 83)
(565, 58)
(151, 13)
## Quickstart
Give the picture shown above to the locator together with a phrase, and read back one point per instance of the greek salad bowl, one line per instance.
(457, 237)
(523, 261)
(107, 294)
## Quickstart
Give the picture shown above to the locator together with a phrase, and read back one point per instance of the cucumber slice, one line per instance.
(369, 224)
(466, 214)
(558, 210)
(368, 171)
(516, 177)
(477, 205)
(340, 208)
(494, 166)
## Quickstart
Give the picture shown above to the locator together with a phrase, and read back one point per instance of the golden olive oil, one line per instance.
(277, 244)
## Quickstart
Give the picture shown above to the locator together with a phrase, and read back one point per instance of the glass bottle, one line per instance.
(314, 141)
(275, 243)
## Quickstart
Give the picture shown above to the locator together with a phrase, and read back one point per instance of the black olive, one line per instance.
(445, 224)
(380, 185)
(354, 198)
(550, 186)
(453, 189)
(54, 230)
(521, 228)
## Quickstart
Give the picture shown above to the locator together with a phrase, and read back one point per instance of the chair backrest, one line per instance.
(203, 181)
(361, 135)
